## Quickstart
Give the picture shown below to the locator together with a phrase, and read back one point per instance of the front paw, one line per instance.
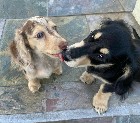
(34, 87)
(87, 78)
(58, 71)
(99, 105)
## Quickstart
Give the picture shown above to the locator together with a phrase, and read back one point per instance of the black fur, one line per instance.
(124, 53)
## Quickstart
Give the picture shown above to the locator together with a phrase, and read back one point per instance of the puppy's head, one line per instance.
(101, 47)
(40, 34)
(88, 52)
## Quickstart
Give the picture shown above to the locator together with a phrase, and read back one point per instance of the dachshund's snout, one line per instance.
(63, 45)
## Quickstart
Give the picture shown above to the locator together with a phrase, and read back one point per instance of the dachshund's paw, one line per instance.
(34, 87)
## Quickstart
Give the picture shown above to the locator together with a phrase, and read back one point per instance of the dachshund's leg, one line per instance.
(34, 85)
(58, 70)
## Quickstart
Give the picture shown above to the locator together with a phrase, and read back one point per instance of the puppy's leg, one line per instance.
(100, 100)
(58, 70)
(34, 85)
(87, 78)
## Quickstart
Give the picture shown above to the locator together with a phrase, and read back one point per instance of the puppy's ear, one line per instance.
(19, 50)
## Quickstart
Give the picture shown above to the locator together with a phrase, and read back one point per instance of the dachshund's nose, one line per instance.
(63, 45)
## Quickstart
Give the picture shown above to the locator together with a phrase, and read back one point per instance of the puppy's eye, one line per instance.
(40, 35)
(100, 56)
(55, 28)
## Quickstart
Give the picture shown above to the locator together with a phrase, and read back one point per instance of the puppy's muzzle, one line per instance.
(66, 54)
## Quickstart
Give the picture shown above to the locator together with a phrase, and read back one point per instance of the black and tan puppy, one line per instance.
(110, 55)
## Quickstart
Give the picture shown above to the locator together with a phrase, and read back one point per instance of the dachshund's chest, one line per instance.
(44, 72)
(45, 68)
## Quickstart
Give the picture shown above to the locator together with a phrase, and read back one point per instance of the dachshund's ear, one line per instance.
(19, 50)
(13, 50)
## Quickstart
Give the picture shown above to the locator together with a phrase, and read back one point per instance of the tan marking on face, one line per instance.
(100, 100)
(104, 51)
(80, 62)
(84, 62)
(98, 35)
(79, 44)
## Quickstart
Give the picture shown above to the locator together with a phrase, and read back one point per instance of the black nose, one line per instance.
(66, 55)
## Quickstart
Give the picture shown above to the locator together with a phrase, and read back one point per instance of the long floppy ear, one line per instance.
(19, 51)
(13, 50)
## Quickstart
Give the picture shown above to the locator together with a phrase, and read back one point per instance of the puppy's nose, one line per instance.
(63, 45)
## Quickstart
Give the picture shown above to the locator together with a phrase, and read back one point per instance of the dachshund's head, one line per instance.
(37, 34)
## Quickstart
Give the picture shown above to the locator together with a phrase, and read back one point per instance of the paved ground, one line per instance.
(61, 97)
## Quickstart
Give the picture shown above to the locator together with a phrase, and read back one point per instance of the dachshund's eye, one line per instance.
(55, 28)
(40, 35)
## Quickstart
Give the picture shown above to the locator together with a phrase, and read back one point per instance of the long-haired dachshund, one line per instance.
(36, 48)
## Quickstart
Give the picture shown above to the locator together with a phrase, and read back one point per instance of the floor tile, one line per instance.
(68, 96)
(8, 74)
(95, 20)
(18, 99)
(2, 22)
(16, 9)
(128, 5)
(78, 7)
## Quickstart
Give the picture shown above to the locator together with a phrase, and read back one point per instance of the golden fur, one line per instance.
(100, 100)
(87, 78)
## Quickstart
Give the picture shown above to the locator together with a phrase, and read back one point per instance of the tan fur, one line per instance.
(80, 44)
(34, 85)
(80, 62)
(87, 78)
(98, 35)
(104, 50)
(127, 72)
(58, 70)
(35, 55)
(84, 61)
(100, 100)
(100, 78)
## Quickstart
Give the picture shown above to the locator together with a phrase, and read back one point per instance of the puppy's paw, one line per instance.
(99, 105)
(87, 78)
(34, 87)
